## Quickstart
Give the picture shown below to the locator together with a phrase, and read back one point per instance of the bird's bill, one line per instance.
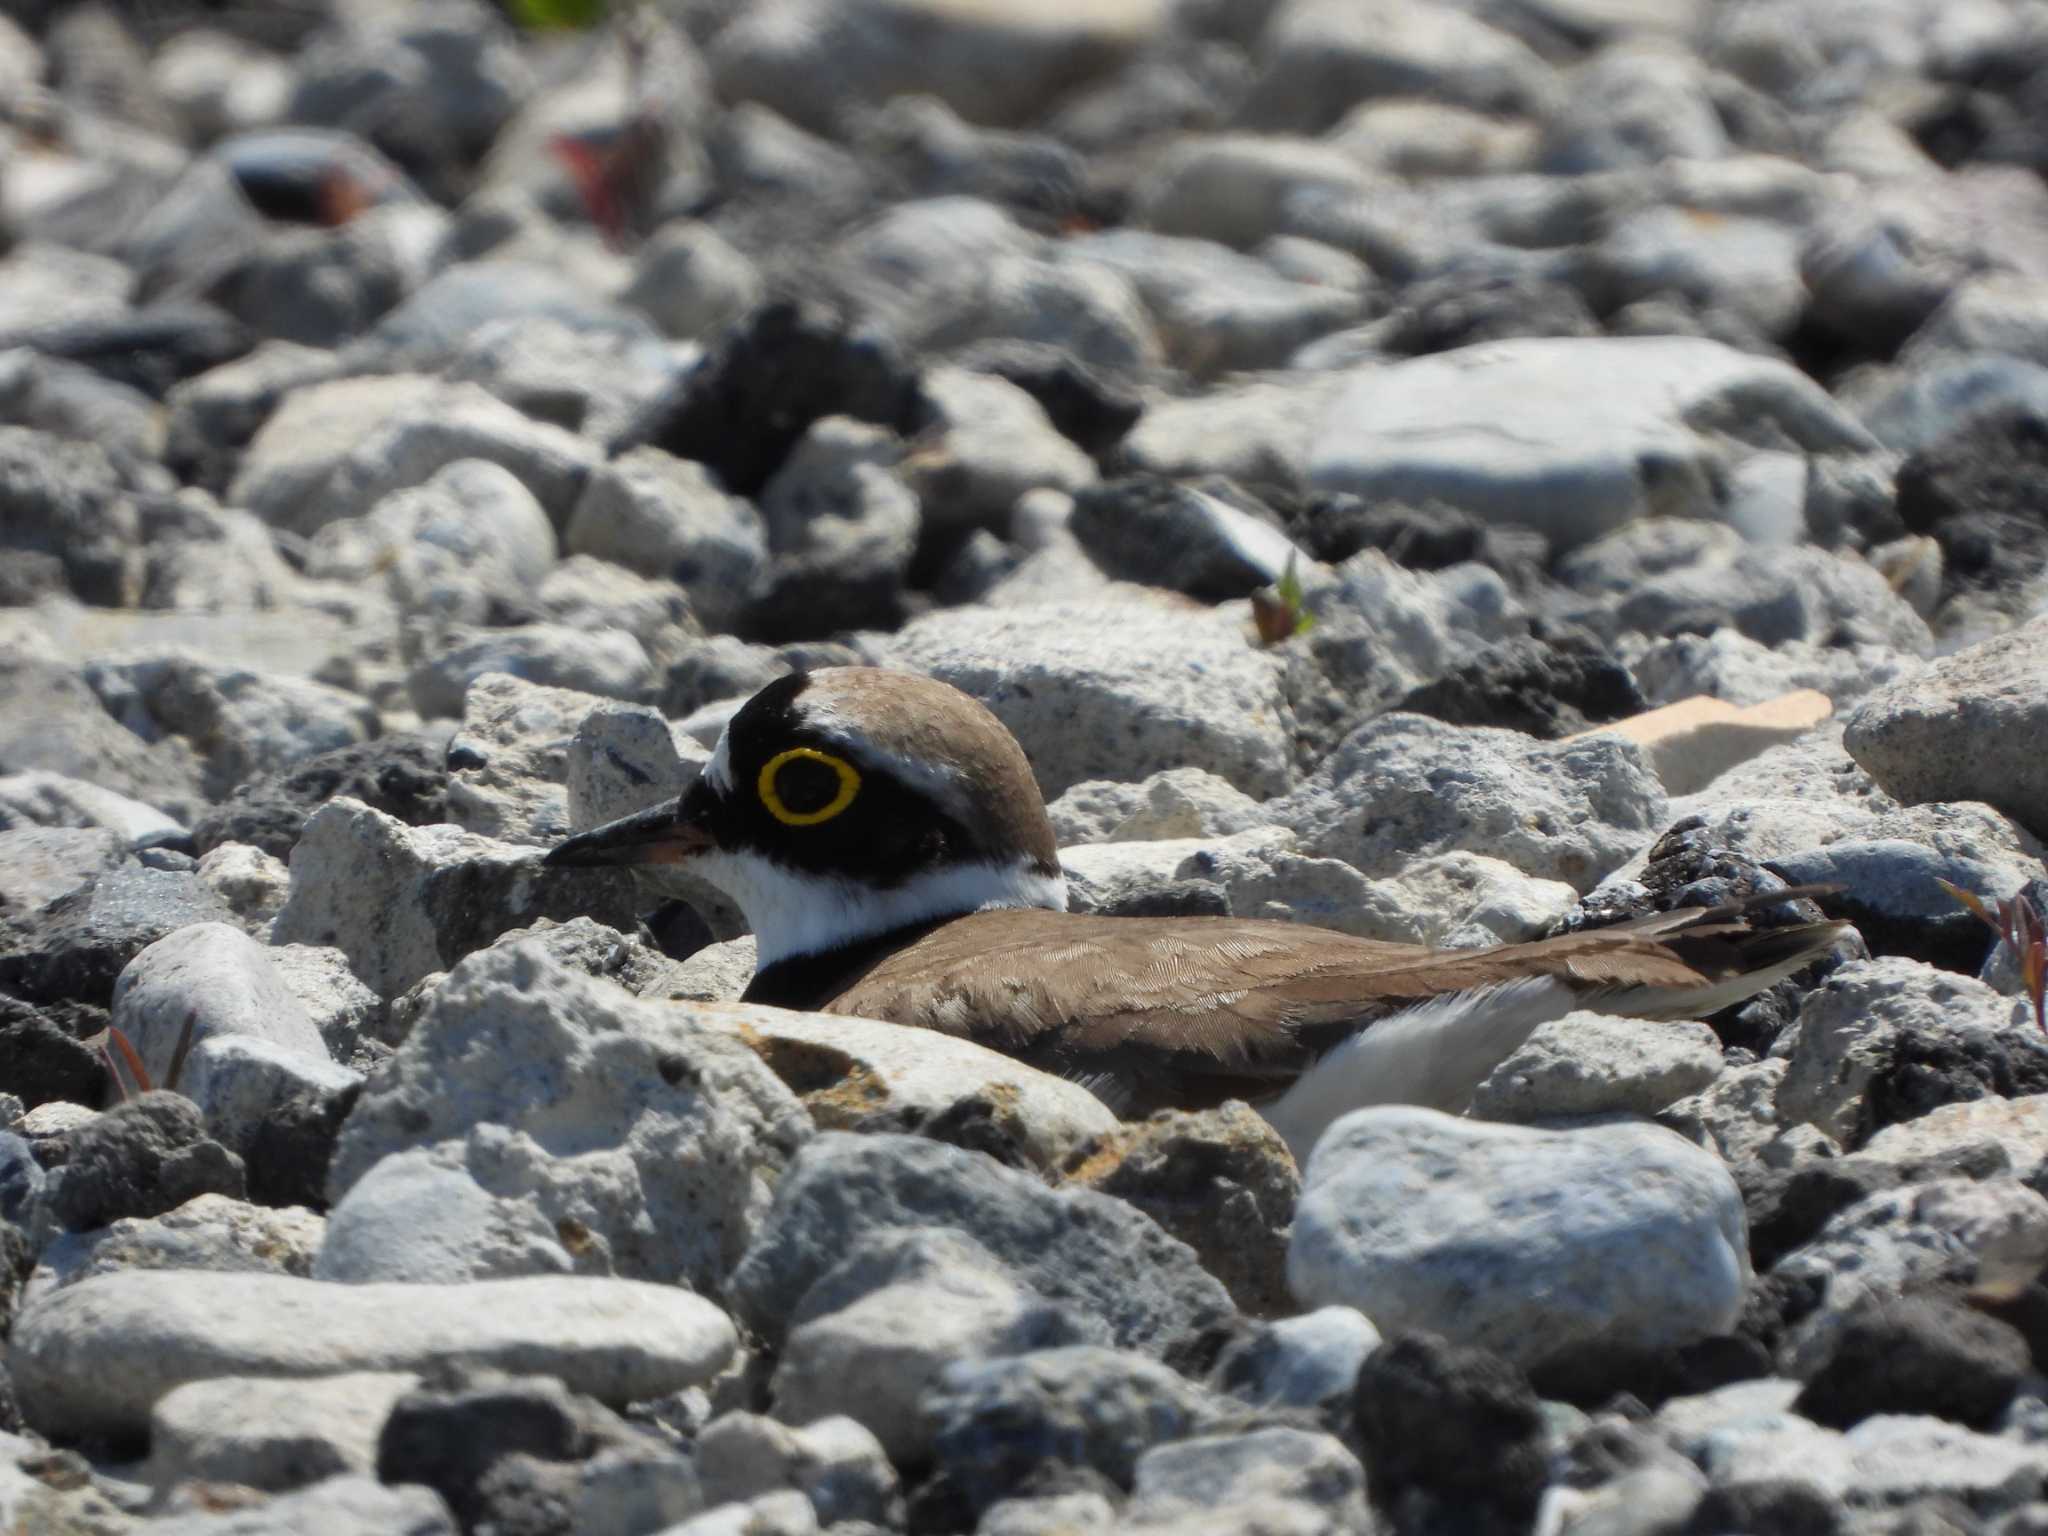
(653, 836)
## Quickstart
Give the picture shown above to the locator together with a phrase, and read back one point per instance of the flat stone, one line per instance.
(616, 1340)
(1588, 414)
(336, 1506)
(273, 1434)
(1694, 741)
(40, 864)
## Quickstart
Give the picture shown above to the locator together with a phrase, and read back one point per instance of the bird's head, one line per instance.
(851, 802)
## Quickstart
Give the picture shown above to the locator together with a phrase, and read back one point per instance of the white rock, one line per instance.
(815, 63)
(207, 1232)
(40, 864)
(1174, 803)
(663, 516)
(253, 883)
(1218, 312)
(623, 758)
(1728, 665)
(1984, 1234)
(243, 723)
(640, 1130)
(344, 1010)
(691, 282)
(990, 443)
(1256, 433)
(851, 1071)
(617, 1340)
(1965, 729)
(875, 1332)
(271, 1434)
(424, 1217)
(1589, 1063)
(1321, 57)
(1735, 1115)
(42, 799)
(1589, 414)
(285, 469)
(1403, 785)
(240, 1081)
(201, 983)
(834, 1462)
(717, 973)
(1199, 1481)
(2017, 1128)
(337, 1506)
(1520, 1240)
(403, 901)
(508, 762)
(784, 1512)
(608, 662)
(1851, 1026)
(472, 524)
(1120, 693)
(1238, 188)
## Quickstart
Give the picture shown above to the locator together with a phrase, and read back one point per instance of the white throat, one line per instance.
(794, 913)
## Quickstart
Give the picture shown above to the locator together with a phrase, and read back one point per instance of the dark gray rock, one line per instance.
(1550, 688)
(1003, 1422)
(450, 1433)
(1917, 1354)
(293, 1146)
(1221, 1180)
(404, 776)
(46, 1061)
(1982, 492)
(1079, 1249)
(141, 1158)
(1768, 1507)
(1480, 1412)
(1208, 539)
(746, 406)
(21, 1180)
(1088, 409)
(72, 950)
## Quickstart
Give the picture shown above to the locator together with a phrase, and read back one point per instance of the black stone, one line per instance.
(16, 1260)
(2026, 1312)
(1787, 1208)
(1334, 526)
(142, 1158)
(1917, 1354)
(1768, 1508)
(1176, 898)
(1592, 1375)
(41, 1061)
(1147, 528)
(72, 950)
(1549, 689)
(1087, 409)
(1927, 1069)
(1431, 1414)
(1461, 308)
(452, 1430)
(149, 349)
(1982, 492)
(404, 776)
(293, 1145)
(785, 366)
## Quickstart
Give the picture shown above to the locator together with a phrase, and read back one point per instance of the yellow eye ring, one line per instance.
(849, 786)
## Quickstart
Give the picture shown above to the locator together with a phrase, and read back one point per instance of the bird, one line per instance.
(886, 840)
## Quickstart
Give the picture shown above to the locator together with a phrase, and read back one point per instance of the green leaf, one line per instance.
(557, 15)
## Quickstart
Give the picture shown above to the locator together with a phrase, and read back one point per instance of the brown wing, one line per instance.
(1186, 1010)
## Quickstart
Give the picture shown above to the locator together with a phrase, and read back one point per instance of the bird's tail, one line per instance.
(1682, 964)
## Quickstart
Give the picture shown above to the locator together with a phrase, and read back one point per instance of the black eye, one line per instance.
(803, 786)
